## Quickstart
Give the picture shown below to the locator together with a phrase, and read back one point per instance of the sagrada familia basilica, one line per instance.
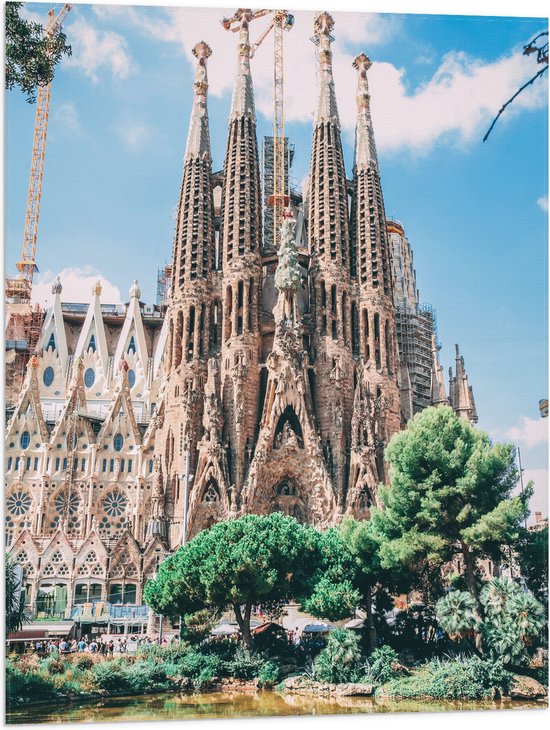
(273, 380)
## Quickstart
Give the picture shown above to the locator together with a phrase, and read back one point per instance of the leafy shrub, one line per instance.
(455, 613)
(245, 664)
(380, 663)
(21, 686)
(84, 661)
(200, 668)
(269, 675)
(53, 665)
(112, 676)
(146, 676)
(340, 660)
(462, 678)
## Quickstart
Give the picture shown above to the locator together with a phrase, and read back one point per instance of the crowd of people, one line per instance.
(104, 645)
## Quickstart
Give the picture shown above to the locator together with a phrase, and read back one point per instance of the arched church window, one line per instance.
(48, 376)
(89, 377)
(131, 346)
(118, 442)
(131, 378)
(51, 342)
(25, 439)
(91, 343)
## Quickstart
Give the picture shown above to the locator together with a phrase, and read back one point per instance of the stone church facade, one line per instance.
(271, 381)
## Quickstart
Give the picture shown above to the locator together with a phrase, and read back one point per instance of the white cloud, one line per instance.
(66, 114)
(95, 50)
(456, 105)
(531, 432)
(543, 202)
(134, 135)
(77, 287)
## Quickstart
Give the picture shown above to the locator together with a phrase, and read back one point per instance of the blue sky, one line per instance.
(476, 214)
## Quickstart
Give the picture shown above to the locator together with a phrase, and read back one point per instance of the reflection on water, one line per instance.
(169, 706)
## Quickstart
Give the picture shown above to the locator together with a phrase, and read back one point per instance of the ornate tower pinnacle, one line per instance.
(461, 394)
(242, 103)
(365, 148)
(194, 237)
(198, 139)
(327, 110)
(438, 395)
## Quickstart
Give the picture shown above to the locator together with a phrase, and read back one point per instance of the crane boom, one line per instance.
(22, 288)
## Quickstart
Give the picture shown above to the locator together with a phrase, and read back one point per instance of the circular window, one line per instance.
(48, 376)
(66, 503)
(118, 442)
(18, 503)
(114, 504)
(25, 439)
(131, 378)
(89, 377)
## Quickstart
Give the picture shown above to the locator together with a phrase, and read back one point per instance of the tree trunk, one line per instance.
(243, 621)
(469, 575)
(372, 637)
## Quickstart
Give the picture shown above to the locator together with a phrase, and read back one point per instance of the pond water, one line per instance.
(180, 706)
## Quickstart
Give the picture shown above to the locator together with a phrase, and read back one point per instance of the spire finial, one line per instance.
(365, 149)
(57, 287)
(97, 288)
(198, 140)
(327, 110)
(243, 97)
(135, 291)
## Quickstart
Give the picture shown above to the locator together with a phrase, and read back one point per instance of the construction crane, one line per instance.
(25, 321)
(282, 21)
(20, 288)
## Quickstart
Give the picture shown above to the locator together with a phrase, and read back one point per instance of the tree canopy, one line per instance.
(252, 560)
(450, 494)
(31, 55)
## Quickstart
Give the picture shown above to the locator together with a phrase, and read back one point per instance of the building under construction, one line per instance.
(415, 325)
(271, 374)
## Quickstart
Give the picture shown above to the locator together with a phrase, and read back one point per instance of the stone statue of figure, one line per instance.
(287, 276)
(290, 436)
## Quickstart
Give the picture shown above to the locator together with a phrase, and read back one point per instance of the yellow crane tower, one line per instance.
(282, 20)
(20, 289)
(24, 321)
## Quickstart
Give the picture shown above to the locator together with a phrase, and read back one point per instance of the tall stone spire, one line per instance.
(241, 196)
(240, 240)
(437, 391)
(189, 338)
(327, 110)
(327, 199)
(242, 103)
(370, 262)
(461, 394)
(194, 236)
(328, 240)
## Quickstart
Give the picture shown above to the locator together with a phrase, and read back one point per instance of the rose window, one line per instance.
(66, 503)
(19, 503)
(114, 504)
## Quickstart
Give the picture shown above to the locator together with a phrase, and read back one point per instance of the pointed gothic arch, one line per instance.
(282, 430)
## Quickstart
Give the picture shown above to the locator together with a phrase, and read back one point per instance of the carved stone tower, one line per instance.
(190, 311)
(241, 236)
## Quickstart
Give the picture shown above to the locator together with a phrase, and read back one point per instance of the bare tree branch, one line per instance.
(518, 92)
